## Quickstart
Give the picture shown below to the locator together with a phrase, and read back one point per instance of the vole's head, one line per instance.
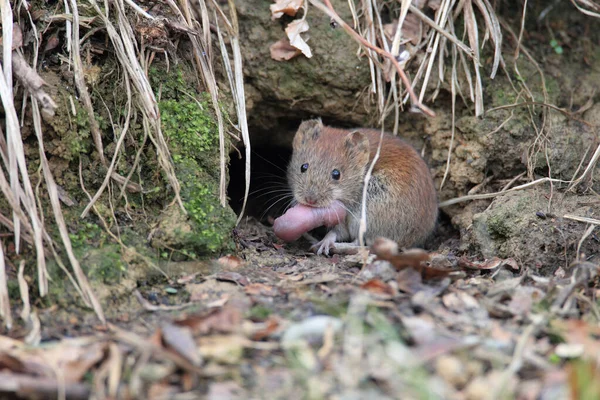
(327, 164)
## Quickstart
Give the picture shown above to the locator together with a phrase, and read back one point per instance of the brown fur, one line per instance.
(401, 198)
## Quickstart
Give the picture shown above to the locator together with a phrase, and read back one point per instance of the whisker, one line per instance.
(272, 205)
(270, 162)
(269, 190)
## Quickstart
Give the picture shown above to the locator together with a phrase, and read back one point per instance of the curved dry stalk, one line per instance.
(484, 196)
(202, 53)
(125, 50)
(80, 82)
(235, 77)
(118, 146)
(18, 166)
(88, 294)
(5, 312)
(328, 9)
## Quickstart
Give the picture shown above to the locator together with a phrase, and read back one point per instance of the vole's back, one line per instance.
(401, 197)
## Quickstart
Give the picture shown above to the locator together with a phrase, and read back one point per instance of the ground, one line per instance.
(501, 304)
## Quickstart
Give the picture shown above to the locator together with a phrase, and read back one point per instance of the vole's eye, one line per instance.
(304, 167)
(335, 174)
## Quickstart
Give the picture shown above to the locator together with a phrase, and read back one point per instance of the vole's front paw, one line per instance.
(326, 244)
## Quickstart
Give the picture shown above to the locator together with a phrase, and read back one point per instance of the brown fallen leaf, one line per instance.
(412, 29)
(492, 263)
(386, 249)
(180, 340)
(259, 289)
(223, 320)
(409, 280)
(270, 326)
(523, 299)
(282, 50)
(378, 286)
(287, 7)
(232, 277)
(230, 261)
(293, 31)
(75, 357)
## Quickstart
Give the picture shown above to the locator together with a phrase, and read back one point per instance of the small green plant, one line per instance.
(557, 48)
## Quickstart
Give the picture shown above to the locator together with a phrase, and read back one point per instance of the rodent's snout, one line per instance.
(310, 198)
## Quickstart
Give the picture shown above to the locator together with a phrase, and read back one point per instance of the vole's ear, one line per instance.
(308, 131)
(356, 142)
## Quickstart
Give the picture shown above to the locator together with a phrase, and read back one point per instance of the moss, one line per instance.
(193, 139)
(497, 226)
(105, 264)
(259, 312)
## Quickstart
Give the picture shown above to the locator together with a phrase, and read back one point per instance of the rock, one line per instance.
(330, 84)
(516, 225)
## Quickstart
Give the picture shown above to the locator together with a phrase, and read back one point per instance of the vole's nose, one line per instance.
(310, 199)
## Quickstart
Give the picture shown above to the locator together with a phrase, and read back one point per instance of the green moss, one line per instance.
(497, 226)
(105, 264)
(73, 130)
(192, 135)
(259, 312)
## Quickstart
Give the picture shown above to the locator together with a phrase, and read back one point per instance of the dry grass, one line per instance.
(27, 222)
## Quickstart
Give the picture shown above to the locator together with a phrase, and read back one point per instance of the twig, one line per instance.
(537, 103)
(80, 83)
(88, 293)
(492, 195)
(32, 82)
(587, 220)
(445, 33)
(585, 235)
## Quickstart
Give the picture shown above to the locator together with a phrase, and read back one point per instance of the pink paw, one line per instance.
(326, 244)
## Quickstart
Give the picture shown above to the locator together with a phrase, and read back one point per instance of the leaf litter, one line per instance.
(263, 324)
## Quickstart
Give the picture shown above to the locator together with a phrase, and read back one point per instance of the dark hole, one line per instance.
(269, 193)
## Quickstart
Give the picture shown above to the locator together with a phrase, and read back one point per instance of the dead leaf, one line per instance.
(459, 301)
(17, 37)
(409, 280)
(293, 31)
(412, 30)
(232, 277)
(287, 7)
(230, 261)
(223, 320)
(260, 289)
(180, 339)
(378, 286)
(434, 4)
(282, 50)
(492, 263)
(75, 358)
(270, 326)
(229, 390)
(386, 249)
(577, 332)
(226, 349)
(523, 299)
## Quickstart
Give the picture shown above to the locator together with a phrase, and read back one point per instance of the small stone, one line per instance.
(478, 389)
(452, 370)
